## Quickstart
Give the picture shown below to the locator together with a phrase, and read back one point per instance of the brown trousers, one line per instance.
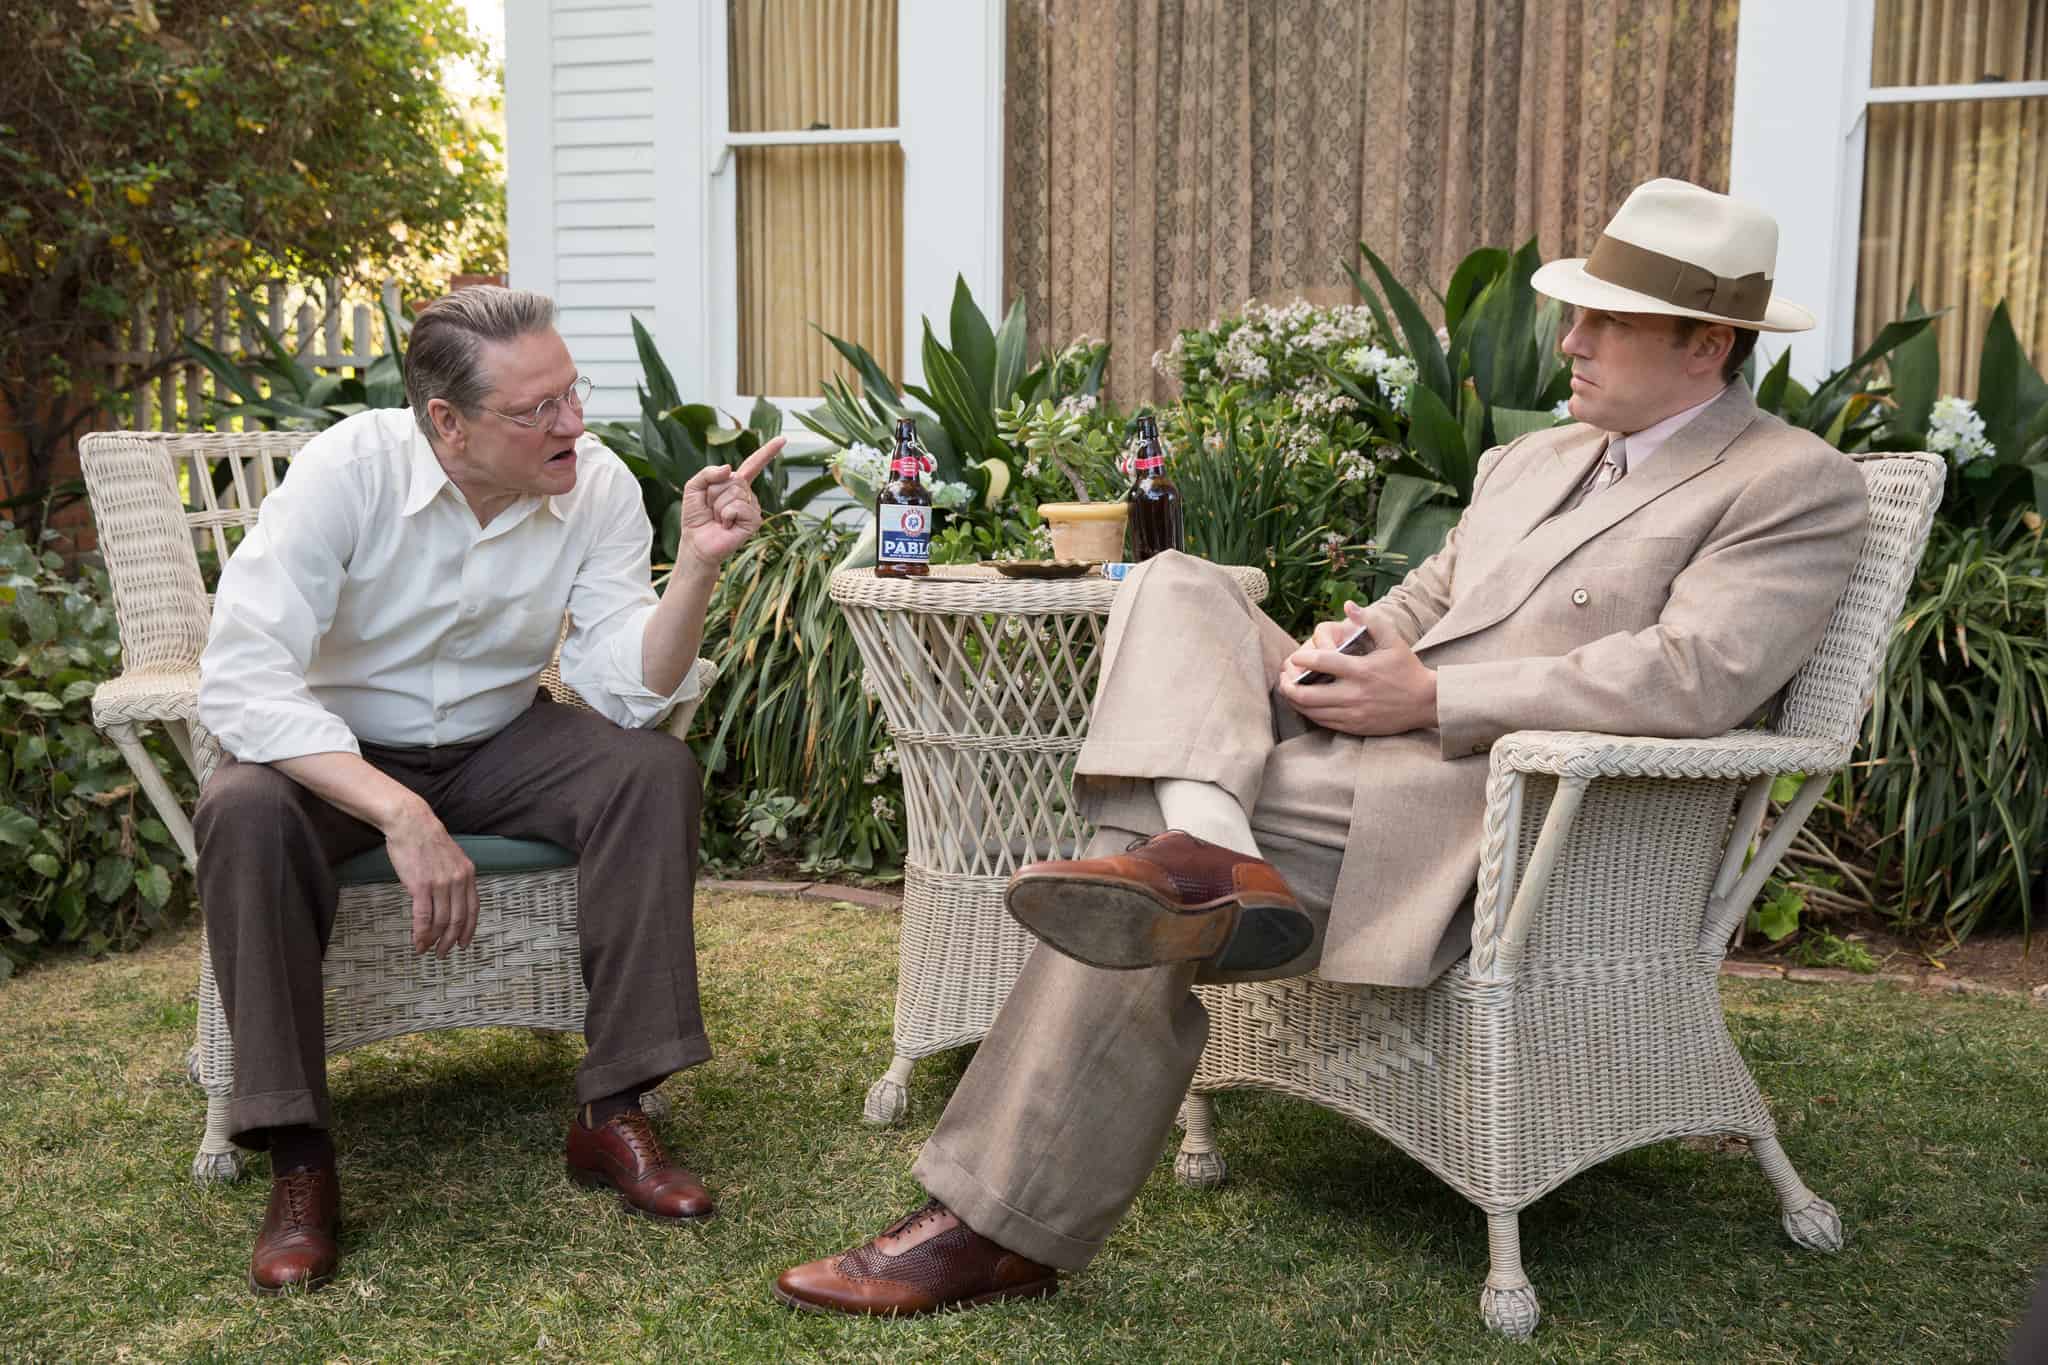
(626, 801)
(1063, 1112)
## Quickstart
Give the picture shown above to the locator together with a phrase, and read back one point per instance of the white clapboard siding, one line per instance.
(632, 209)
(601, 183)
(609, 21)
(636, 187)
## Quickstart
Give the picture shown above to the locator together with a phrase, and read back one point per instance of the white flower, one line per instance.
(1239, 357)
(1365, 359)
(1333, 542)
(951, 496)
(1956, 428)
(1563, 411)
(1396, 378)
(1078, 404)
(880, 764)
(884, 809)
(861, 468)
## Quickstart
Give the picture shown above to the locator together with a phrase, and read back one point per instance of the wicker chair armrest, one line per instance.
(1508, 899)
(1737, 754)
(147, 695)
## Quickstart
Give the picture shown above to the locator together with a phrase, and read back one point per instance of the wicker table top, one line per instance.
(979, 588)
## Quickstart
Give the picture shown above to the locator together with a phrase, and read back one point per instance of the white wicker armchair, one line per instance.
(522, 969)
(1587, 1019)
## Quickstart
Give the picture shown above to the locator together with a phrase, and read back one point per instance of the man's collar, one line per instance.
(1643, 444)
(428, 477)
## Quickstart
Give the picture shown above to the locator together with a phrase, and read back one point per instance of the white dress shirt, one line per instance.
(1643, 445)
(366, 604)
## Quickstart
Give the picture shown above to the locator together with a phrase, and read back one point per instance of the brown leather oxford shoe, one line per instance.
(624, 1154)
(296, 1248)
(922, 1263)
(1170, 898)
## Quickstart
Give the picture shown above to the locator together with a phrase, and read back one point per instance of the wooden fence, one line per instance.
(328, 327)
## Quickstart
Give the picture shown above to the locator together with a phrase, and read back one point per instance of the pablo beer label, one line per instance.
(905, 533)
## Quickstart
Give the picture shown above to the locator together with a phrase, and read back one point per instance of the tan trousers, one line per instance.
(625, 800)
(1070, 1098)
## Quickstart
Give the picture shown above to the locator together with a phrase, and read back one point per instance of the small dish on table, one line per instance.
(1045, 568)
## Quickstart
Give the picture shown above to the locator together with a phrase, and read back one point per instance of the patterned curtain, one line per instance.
(820, 228)
(1955, 194)
(1168, 160)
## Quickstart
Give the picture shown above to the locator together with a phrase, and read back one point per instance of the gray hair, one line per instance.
(443, 358)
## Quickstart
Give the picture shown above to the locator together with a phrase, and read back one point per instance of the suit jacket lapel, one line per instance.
(1547, 540)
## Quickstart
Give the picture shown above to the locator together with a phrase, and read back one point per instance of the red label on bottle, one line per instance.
(1149, 463)
(909, 464)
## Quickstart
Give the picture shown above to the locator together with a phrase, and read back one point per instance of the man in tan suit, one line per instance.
(1660, 567)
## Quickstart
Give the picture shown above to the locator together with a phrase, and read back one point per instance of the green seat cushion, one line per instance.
(490, 852)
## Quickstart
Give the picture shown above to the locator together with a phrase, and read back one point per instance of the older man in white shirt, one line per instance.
(374, 669)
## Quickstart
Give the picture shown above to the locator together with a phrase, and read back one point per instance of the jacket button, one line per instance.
(1479, 748)
(1580, 597)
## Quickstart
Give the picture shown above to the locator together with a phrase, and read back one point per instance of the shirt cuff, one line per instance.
(626, 685)
(266, 731)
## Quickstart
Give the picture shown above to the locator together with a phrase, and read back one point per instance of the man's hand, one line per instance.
(440, 878)
(719, 510)
(1385, 692)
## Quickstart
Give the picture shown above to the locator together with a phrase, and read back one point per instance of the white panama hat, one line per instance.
(1677, 249)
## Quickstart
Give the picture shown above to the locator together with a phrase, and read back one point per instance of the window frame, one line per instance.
(1797, 149)
(952, 186)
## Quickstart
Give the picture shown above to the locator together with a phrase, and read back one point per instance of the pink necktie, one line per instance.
(1612, 466)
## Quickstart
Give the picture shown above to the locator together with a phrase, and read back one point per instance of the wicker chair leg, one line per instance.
(192, 1066)
(1508, 1303)
(219, 1161)
(889, 1098)
(1809, 1220)
(1199, 1166)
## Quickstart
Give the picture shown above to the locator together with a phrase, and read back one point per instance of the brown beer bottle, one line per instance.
(903, 511)
(1156, 519)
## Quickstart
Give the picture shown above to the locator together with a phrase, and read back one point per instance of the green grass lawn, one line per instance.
(1921, 1117)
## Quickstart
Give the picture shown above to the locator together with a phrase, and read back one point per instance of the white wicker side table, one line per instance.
(986, 683)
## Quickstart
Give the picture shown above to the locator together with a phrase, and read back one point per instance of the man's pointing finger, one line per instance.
(758, 461)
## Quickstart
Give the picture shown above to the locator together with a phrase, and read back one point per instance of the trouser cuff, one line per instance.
(595, 1080)
(955, 1185)
(248, 1115)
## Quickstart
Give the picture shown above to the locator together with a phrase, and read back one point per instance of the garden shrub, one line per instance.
(788, 718)
(82, 861)
(1946, 802)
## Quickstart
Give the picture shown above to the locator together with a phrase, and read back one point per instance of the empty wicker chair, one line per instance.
(1587, 1019)
(522, 969)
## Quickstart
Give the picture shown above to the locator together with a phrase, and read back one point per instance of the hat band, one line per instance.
(1677, 282)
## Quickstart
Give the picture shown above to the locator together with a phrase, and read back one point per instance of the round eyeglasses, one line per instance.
(543, 414)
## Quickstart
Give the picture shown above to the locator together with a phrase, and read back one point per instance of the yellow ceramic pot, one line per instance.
(1085, 530)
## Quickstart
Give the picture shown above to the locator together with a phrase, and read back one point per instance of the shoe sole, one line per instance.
(297, 1287)
(1039, 1289)
(1124, 926)
(595, 1180)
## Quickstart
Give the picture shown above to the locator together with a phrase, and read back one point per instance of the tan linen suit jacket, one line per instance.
(1677, 602)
